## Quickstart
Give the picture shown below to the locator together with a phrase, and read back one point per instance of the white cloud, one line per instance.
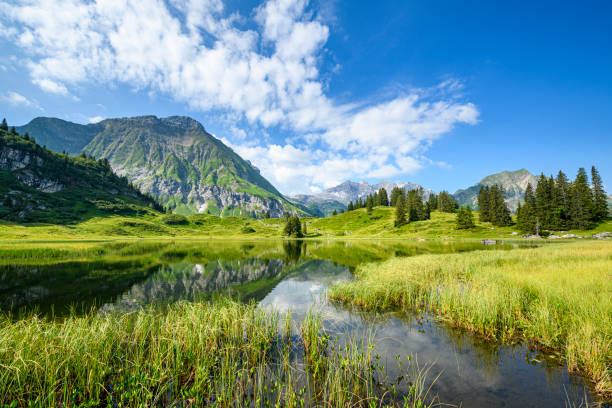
(199, 54)
(16, 99)
(95, 119)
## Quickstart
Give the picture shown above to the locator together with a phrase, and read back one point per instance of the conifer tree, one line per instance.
(293, 227)
(600, 202)
(484, 200)
(384, 198)
(500, 214)
(267, 214)
(4, 125)
(433, 202)
(369, 203)
(446, 202)
(465, 219)
(376, 199)
(400, 211)
(543, 202)
(526, 214)
(581, 203)
(563, 190)
(335, 212)
(304, 229)
(395, 193)
(350, 206)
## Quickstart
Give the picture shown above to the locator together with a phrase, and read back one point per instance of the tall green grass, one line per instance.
(558, 296)
(222, 354)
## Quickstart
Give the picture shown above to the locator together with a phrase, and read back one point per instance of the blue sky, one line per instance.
(313, 93)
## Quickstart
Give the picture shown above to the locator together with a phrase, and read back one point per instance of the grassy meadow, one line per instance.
(356, 224)
(190, 354)
(558, 296)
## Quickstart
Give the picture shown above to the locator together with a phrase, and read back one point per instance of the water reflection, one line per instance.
(294, 276)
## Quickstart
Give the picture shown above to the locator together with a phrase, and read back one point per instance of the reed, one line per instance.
(558, 296)
(222, 353)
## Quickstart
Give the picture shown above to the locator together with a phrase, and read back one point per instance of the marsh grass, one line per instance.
(560, 297)
(222, 353)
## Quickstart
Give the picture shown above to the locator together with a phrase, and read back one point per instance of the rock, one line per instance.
(490, 242)
(514, 233)
(571, 236)
(553, 236)
(534, 236)
(603, 235)
(420, 239)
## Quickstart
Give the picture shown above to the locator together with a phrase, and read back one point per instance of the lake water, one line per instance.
(294, 276)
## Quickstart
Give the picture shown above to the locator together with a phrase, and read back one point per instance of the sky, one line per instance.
(313, 93)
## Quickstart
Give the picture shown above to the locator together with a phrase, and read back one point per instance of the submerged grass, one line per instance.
(558, 296)
(221, 354)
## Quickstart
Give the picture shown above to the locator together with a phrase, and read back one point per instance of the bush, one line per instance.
(247, 230)
(175, 219)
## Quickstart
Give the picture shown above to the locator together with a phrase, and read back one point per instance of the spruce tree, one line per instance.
(4, 125)
(395, 193)
(433, 202)
(400, 211)
(335, 212)
(526, 214)
(369, 203)
(600, 202)
(446, 202)
(384, 198)
(484, 200)
(581, 202)
(465, 218)
(543, 202)
(350, 206)
(500, 214)
(562, 186)
(267, 214)
(376, 199)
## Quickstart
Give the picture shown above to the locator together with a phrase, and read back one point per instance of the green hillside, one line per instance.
(175, 160)
(38, 185)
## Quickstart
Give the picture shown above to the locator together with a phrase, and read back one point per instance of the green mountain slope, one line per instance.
(182, 165)
(514, 184)
(60, 135)
(38, 185)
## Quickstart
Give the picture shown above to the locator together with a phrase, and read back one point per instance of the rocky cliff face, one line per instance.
(514, 184)
(28, 168)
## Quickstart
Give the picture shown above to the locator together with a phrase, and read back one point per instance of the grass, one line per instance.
(558, 296)
(190, 354)
(356, 224)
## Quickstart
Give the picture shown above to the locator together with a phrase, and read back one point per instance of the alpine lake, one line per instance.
(293, 275)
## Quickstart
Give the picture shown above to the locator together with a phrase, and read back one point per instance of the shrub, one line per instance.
(175, 219)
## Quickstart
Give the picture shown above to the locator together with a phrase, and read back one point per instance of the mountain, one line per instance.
(174, 159)
(38, 185)
(60, 135)
(514, 184)
(337, 198)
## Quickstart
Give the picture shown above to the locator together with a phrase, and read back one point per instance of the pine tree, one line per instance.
(13, 131)
(500, 214)
(465, 218)
(446, 202)
(384, 198)
(395, 193)
(543, 202)
(526, 214)
(400, 211)
(350, 206)
(433, 202)
(580, 202)
(600, 202)
(335, 212)
(267, 214)
(369, 203)
(376, 199)
(484, 200)
(4, 125)
(563, 190)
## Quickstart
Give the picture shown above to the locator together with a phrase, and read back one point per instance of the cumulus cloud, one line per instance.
(16, 99)
(202, 55)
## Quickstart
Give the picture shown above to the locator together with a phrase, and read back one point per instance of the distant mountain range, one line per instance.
(514, 184)
(337, 198)
(174, 159)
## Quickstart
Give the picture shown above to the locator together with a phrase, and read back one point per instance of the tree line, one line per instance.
(492, 207)
(560, 204)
